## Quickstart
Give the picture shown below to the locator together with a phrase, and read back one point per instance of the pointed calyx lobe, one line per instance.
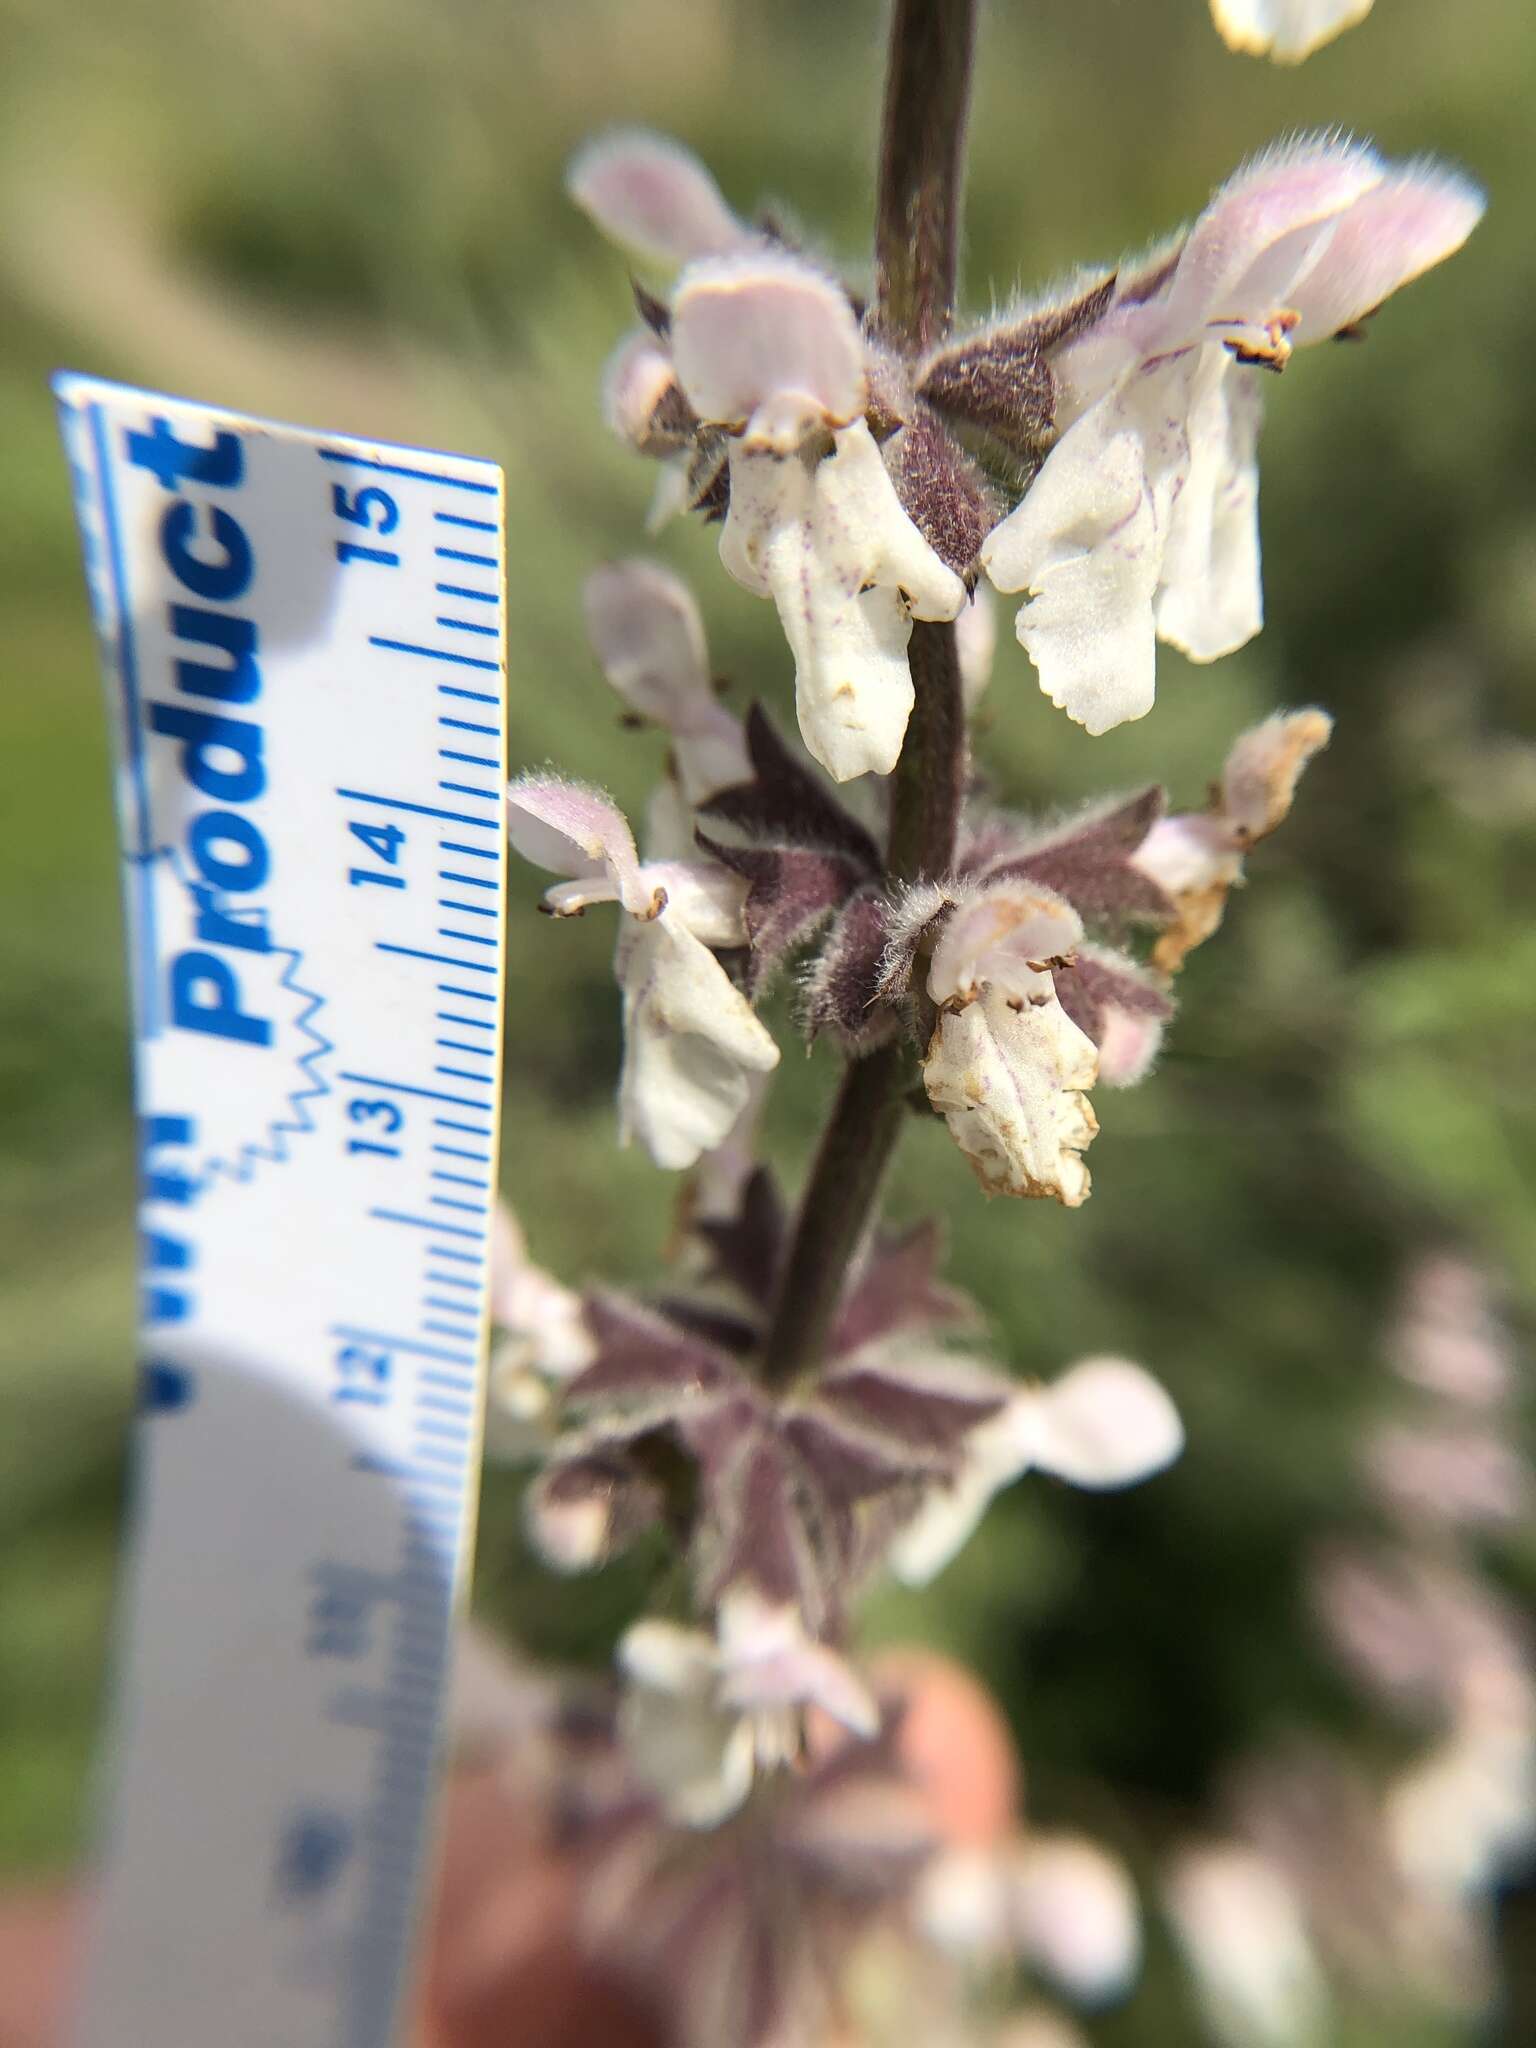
(816, 876)
(807, 856)
(771, 1491)
(999, 382)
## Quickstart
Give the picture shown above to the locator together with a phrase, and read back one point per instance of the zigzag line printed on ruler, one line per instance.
(273, 1148)
(238, 1162)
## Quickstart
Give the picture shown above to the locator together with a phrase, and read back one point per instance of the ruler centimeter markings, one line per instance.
(304, 645)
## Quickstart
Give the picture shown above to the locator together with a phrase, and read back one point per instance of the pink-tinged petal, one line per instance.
(1105, 1423)
(1005, 936)
(762, 327)
(1188, 852)
(1128, 1042)
(1076, 1915)
(1414, 219)
(573, 829)
(1450, 1340)
(1247, 249)
(768, 1661)
(1450, 1475)
(647, 634)
(642, 403)
(1120, 1006)
(1285, 31)
(652, 196)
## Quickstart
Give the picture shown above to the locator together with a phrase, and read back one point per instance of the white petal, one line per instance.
(651, 195)
(1284, 30)
(1076, 1915)
(691, 1044)
(670, 498)
(572, 829)
(1010, 1083)
(961, 1903)
(666, 1657)
(1414, 219)
(829, 542)
(1258, 781)
(1086, 543)
(947, 1520)
(996, 1453)
(697, 1758)
(1456, 1820)
(706, 898)
(1105, 1423)
(1242, 1932)
(755, 329)
(976, 645)
(519, 1408)
(1211, 599)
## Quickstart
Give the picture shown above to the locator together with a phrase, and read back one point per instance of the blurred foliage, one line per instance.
(352, 215)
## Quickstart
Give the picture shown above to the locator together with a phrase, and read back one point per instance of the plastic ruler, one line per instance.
(304, 647)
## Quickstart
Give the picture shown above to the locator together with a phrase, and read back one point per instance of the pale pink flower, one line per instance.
(767, 350)
(646, 632)
(1143, 522)
(691, 1040)
(702, 1715)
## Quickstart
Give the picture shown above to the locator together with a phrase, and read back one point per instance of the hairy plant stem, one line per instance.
(917, 249)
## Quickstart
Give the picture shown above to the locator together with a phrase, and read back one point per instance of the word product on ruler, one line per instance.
(304, 645)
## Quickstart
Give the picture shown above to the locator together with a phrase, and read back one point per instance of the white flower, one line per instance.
(1010, 1078)
(1242, 1932)
(1057, 1901)
(1077, 1916)
(1006, 1065)
(541, 1341)
(1284, 30)
(702, 1715)
(646, 632)
(691, 1041)
(1105, 1423)
(768, 349)
(1143, 521)
(1196, 857)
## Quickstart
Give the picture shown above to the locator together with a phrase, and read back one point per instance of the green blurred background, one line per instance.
(352, 216)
